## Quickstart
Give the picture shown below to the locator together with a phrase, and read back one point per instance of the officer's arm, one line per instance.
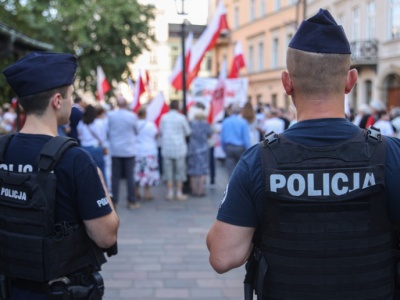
(103, 230)
(229, 245)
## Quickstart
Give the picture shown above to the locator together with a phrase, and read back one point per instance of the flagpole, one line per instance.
(183, 66)
(182, 12)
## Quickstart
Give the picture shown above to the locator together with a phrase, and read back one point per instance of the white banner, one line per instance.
(235, 90)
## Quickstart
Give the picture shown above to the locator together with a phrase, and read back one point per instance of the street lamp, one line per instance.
(182, 12)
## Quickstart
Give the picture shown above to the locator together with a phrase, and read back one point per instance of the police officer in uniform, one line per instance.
(43, 84)
(314, 210)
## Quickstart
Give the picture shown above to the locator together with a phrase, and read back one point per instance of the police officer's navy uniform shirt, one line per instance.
(242, 204)
(80, 194)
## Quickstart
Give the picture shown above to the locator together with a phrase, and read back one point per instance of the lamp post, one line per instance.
(182, 13)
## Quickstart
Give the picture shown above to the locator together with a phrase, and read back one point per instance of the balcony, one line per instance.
(364, 53)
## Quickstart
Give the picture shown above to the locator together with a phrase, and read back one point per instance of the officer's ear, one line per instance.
(351, 80)
(287, 83)
(56, 101)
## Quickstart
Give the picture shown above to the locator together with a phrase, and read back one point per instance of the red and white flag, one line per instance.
(238, 61)
(207, 41)
(139, 90)
(102, 84)
(176, 76)
(217, 102)
(156, 108)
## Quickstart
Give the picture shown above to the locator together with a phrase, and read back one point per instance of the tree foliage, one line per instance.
(110, 33)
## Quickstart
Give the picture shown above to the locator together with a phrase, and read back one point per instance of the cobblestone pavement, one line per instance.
(162, 250)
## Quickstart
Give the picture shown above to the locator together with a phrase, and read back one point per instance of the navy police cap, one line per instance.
(37, 72)
(321, 34)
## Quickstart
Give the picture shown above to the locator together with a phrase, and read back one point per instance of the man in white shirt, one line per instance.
(273, 122)
(174, 128)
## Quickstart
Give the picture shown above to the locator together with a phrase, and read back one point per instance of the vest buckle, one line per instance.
(374, 133)
(270, 137)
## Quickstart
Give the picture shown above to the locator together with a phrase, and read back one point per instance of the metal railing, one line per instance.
(364, 52)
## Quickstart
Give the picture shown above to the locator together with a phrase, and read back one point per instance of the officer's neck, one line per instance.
(310, 109)
(39, 125)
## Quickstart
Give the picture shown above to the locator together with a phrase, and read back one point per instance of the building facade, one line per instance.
(373, 30)
(265, 29)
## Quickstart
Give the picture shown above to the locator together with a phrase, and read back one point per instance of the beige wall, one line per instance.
(388, 62)
(264, 81)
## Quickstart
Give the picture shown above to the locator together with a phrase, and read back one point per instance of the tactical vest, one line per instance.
(33, 246)
(325, 232)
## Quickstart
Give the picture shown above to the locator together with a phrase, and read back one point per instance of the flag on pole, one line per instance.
(207, 41)
(102, 84)
(217, 103)
(176, 76)
(156, 108)
(139, 90)
(238, 61)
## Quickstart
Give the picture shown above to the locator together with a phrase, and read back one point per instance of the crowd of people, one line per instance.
(183, 149)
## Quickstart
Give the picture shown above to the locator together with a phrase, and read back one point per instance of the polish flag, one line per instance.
(238, 61)
(102, 84)
(156, 108)
(207, 40)
(176, 76)
(139, 90)
(217, 102)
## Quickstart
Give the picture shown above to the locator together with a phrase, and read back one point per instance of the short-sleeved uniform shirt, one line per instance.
(79, 194)
(242, 204)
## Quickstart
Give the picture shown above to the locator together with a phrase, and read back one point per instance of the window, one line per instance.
(263, 8)
(395, 19)
(252, 9)
(236, 17)
(340, 19)
(250, 59)
(173, 61)
(371, 20)
(287, 102)
(368, 91)
(277, 5)
(208, 63)
(275, 53)
(274, 100)
(289, 37)
(355, 24)
(260, 56)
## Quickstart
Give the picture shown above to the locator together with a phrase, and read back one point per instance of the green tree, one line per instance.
(110, 33)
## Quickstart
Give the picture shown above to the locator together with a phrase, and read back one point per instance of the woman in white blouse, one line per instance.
(92, 134)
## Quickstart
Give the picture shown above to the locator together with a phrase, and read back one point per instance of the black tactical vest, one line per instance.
(32, 245)
(326, 232)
